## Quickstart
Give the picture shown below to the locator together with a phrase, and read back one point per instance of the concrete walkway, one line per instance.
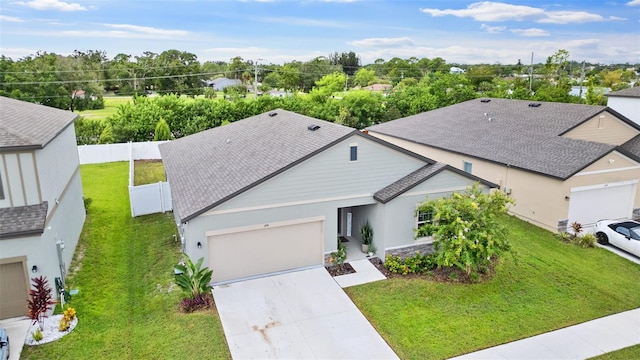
(17, 331)
(365, 273)
(582, 341)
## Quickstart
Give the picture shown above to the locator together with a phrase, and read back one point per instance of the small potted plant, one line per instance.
(366, 236)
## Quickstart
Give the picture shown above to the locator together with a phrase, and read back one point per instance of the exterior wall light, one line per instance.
(34, 269)
(199, 245)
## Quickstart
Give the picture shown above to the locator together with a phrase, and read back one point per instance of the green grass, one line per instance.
(148, 172)
(128, 305)
(111, 105)
(631, 352)
(549, 285)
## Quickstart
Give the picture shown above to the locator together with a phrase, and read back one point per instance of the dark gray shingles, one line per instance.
(206, 168)
(22, 220)
(632, 146)
(400, 186)
(630, 92)
(507, 132)
(24, 124)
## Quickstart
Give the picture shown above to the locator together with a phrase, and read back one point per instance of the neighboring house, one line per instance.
(560, 162)
(274, 191)
(626, 102)
(456, 70)
(220, 83)
(41, 202)
(581, 91)
(279, 93)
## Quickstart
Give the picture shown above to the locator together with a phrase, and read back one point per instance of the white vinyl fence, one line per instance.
(143, 199)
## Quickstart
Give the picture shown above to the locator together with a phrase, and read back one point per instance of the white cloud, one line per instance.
(490, 11)
(633, 3)
(495, 11)
(383, 42)
(52, 5)
(532, 32)
(135, 29)
(493, 29)
(566, 17)
(10, 19)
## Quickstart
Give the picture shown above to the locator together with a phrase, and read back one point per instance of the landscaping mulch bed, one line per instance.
(336, 270)
(444, 274)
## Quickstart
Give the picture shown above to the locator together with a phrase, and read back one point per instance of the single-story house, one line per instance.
(626, 102)
(41, 201)
(561, 163)
(275, 191)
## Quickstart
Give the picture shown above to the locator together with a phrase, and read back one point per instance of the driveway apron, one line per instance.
(297, 315)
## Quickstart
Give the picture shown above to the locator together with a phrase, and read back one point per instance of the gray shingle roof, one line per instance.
(208, 168)
(406, 183)
(632, 146)
(23, 220)
(630, 92)
(27, 125)
(508, 132)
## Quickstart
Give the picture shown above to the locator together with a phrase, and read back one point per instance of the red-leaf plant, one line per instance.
(41, 300)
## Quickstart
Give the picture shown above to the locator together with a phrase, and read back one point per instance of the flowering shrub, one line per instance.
(69, 313)
(338, 257)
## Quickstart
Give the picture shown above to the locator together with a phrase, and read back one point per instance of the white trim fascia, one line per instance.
(292, 203)
(595, 172)
(602, 186)
(264, 226)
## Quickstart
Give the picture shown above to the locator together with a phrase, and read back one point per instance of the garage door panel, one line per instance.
(611, 201)
(244, 254)
(13, 290)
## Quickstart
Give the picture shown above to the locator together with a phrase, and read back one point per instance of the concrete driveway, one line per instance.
(297, 315)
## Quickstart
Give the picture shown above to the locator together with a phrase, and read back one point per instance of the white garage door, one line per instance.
(607, 201)
(266, 248)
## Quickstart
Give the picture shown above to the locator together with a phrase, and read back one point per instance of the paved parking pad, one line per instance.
(297, 315)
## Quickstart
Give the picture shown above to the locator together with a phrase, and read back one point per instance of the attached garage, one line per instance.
(265, 248)
(14, 285)
(589, 204)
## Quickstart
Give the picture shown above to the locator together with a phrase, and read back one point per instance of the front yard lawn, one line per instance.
(549, 285)
(128, 304)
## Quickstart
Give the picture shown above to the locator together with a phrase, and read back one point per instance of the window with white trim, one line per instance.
(424, 217)
(353, 152)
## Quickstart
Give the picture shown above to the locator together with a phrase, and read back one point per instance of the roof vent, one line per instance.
(534, 104)
(485, 100)
(313, 127)
(272, 114)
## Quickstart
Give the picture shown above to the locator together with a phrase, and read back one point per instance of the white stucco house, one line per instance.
(561, 163)
(41, 201)
(274, 192)
(626, 102)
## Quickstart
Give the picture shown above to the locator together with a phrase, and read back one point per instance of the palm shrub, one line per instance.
(193, 278)
(40, 301)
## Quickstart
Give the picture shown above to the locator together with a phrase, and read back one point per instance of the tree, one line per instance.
(106, 137)
(364, 77)
(350, 62)
(162, 131)
(467, 228)
(193, 278)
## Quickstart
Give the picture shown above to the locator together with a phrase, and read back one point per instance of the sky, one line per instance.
(280, 31)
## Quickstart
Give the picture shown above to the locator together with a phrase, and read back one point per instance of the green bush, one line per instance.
(338, 257)
(416, 264)
(587, 240)
(193, 278)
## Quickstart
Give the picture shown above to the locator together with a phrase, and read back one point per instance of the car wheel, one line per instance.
(602, 238)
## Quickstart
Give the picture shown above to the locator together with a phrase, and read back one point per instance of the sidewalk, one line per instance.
(581, 341)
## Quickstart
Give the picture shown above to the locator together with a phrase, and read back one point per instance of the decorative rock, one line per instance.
(50, 332)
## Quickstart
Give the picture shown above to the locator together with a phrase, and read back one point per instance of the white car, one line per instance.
(624, 235)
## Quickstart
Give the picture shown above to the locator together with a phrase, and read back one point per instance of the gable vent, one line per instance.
(272, 114)
(485, 100)
(313, 127)
(534, 105)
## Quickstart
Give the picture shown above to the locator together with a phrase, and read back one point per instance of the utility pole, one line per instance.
(255, 82)
(531, 73)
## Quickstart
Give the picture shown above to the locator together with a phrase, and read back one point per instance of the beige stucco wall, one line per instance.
(604, 128)
(541, 200)
(604, 171)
